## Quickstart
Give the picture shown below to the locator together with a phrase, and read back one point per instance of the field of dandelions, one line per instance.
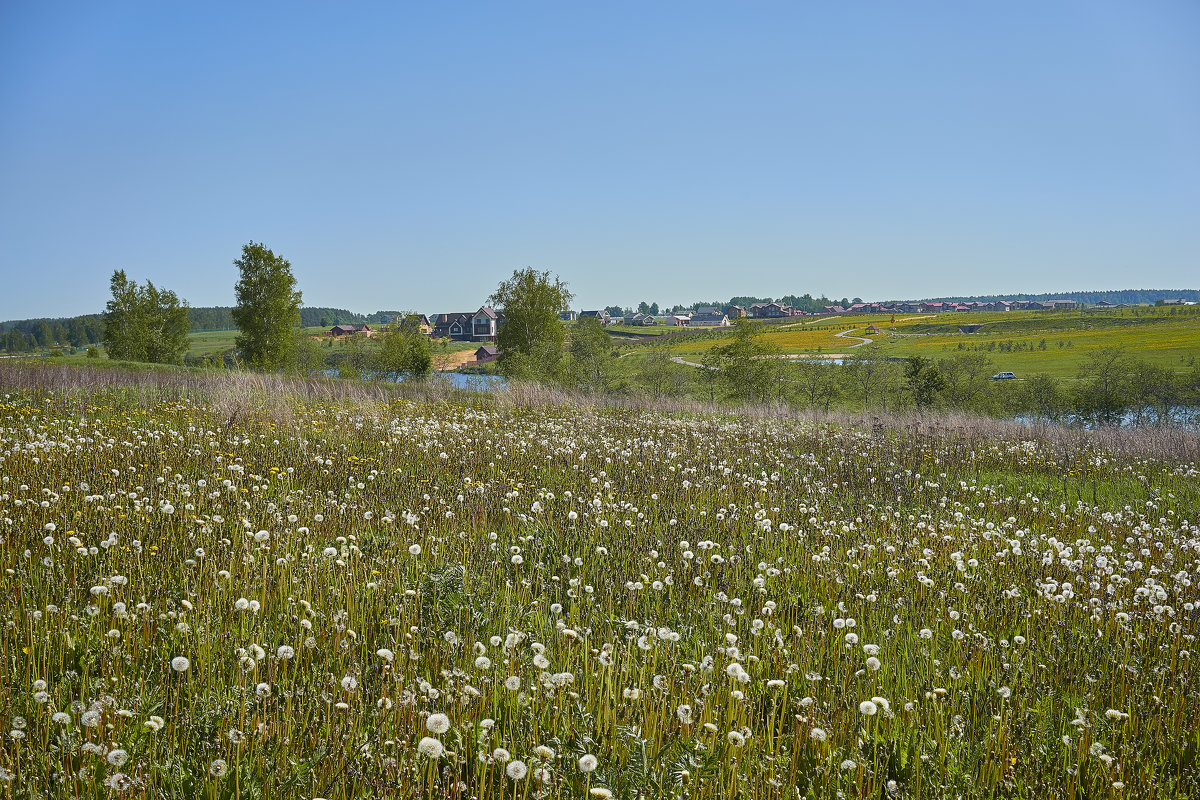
(466, 600)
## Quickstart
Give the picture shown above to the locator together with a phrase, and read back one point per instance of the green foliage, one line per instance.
(592, 358)
(965, 379)
(308, 355)
(1045, 398)
(93, 352)
(658, 376)
(1105, 388)
(747, 365)
(403, 350)
(923, 379)
(144, 323)
(816, 385)
(531, 336)
(268, 308)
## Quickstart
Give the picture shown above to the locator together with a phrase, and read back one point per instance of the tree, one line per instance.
(144, 323)
(43, 334)
(965, 376)
(924, 380)
(268, 308)
(166, 321)
(868, 375)
(403, 351)
(748, 367)
(307, 356)
(816, 383)
(658, 376)
(1103, 391)
(531, 336)
(354, 360)
(592, 358)
(1157, 394)
(76, 335)
(1044, 397)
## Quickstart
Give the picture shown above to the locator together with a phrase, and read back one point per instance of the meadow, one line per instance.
(229, 586)
(1028, 343)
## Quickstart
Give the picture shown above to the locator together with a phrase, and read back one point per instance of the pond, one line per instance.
(459, 380)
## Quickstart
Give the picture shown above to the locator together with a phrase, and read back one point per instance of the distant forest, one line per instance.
(220, 318)
(1130, 296)
(24, 335)
(806, 302)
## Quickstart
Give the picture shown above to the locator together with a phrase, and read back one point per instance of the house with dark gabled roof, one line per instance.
(601, 315)
(350, 330)
(466, 326)
(770, 310)
(710, 319)
(487, 354)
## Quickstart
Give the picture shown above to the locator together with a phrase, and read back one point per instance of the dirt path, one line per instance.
(861, 339)
(447, 362)
(679, 360)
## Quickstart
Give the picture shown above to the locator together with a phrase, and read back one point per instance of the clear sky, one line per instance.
(411, 155)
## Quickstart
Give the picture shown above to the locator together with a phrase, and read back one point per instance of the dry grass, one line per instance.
(237, 395)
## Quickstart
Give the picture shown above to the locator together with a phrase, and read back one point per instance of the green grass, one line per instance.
(717, 600)
(1011, 340)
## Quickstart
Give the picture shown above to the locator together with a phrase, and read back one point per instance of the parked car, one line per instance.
(1003, 376)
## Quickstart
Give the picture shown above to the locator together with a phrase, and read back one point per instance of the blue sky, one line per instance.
(410, 156)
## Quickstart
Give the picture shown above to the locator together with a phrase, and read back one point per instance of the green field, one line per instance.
(1013, 341)
(233, 585)
(642, 330)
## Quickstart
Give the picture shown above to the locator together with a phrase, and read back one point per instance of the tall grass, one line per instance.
(249, 586)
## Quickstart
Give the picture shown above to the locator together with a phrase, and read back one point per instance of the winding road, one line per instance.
(861, 339)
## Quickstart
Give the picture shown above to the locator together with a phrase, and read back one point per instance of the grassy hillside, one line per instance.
(1013, 340)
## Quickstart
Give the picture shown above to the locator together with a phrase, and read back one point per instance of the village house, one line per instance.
(639, 319)
(735, 312)
(464, 326)
(712, 318)
(601, 315)
(487, 354)
(770, 310)
(351, 330)
(678, 319)
(568, 316)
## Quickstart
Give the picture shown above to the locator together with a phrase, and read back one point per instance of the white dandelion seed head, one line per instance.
(428, 746)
